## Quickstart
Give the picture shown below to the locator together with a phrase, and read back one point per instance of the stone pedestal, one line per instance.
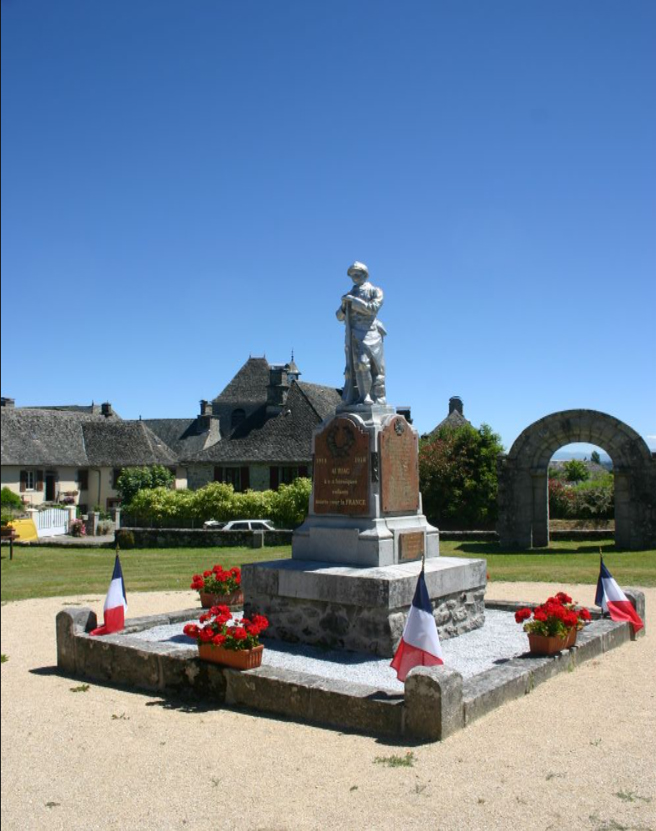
(362, 609)
(365, 507)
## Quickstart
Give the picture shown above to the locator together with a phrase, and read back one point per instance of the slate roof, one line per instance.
(43, 437)
(51, 438)
(284, 438)
(249, 386)
(124, 444)
(90, 409)
(182, 435)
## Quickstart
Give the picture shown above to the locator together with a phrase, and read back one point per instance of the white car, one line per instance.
(249, 525)
(213, 523)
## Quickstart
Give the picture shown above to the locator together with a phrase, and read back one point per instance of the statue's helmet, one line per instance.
(358, 268)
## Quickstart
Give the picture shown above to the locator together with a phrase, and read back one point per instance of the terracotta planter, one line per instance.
(234, 599)
(544, 645)
(240, 659)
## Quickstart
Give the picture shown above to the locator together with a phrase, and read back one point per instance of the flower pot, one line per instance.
(208, 600)
(546, 645)
(237, 659)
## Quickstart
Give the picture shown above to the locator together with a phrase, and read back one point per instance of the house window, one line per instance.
(28, 480)
(115, 474)
(238, 477)
(83, 479)
(232, 476)
(237, 417)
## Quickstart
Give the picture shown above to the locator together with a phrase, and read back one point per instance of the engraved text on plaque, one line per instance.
(341, 469)
(399, 467)
(411, 546)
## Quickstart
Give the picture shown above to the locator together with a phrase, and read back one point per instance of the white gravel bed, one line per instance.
(498, 640)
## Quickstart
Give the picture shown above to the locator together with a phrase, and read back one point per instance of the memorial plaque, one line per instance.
(411, 546)
(399, 467)
(341, 469)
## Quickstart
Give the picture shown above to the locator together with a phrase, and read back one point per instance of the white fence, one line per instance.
(52, 522)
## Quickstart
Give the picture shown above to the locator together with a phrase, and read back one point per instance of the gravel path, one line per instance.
(499, 639)
(578, 751)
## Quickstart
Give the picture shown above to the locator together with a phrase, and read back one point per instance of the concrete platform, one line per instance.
(362, 609)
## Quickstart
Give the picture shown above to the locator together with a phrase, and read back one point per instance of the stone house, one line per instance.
(454, 418)
(74, 454)
(257, 433)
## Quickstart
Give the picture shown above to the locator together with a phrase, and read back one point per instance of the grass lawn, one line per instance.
(563, 562)
(58, 571)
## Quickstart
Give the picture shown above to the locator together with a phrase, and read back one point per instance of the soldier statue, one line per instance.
(364, 376)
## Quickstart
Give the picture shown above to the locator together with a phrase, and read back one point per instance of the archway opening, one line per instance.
(581, 489)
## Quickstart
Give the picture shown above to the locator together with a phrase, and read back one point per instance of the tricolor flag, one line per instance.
(612, 599)
(115, 604)
(420, 644)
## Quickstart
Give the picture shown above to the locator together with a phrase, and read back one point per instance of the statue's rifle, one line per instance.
(349, 354)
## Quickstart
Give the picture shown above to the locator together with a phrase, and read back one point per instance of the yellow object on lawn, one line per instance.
(25, 528)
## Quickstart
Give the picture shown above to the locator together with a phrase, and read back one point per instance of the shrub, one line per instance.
(576, 471)
(290, 503)
(286, 507)
(124, 539)
(135, 479)
(595, 499)
(458, 476)
(214, 501)
(77, 528)
(10, 500)
(561, 500)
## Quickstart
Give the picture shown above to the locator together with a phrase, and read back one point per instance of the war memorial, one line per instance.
(347, 587)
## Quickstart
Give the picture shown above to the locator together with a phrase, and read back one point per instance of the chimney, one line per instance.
(405, 412)
(9, 403)
(455, 405)
(206, 416)
(277, 389)
(106, 409)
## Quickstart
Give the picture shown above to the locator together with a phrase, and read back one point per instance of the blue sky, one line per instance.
(185, 184)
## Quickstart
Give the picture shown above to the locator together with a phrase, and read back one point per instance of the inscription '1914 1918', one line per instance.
(341, 469)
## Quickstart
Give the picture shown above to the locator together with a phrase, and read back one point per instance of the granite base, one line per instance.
(362, 609)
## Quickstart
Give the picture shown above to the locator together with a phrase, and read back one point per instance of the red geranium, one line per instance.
(557, 616)
(242, 634)
(217, 580)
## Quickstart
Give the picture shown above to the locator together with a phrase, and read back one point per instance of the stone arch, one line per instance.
(523, 478)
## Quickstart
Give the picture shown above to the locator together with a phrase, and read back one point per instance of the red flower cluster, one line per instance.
(217, 580)
(555, 617)
(216, 629)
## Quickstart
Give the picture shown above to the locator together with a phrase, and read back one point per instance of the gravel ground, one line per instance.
(577, 752)
(499, 639)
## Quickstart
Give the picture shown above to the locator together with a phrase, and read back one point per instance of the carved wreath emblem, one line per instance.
(399, 427)
(340, 440)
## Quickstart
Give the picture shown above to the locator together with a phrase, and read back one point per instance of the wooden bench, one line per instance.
(9, 533)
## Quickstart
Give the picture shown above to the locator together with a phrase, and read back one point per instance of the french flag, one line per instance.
(115, 604)
(611, 599)
(420, 644)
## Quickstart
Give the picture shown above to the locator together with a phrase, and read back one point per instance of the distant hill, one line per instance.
(566, 455)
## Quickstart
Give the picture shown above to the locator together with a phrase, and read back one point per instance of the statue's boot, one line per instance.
(364, 386)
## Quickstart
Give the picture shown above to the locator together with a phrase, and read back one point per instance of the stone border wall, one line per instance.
(205, 538)
(436, 701)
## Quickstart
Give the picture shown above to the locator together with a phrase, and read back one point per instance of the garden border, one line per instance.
(436, 702)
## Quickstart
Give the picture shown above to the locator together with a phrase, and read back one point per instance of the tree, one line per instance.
(11, 500)
(134, 479)
(576, 471)
(458, 476)
(595, 457)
